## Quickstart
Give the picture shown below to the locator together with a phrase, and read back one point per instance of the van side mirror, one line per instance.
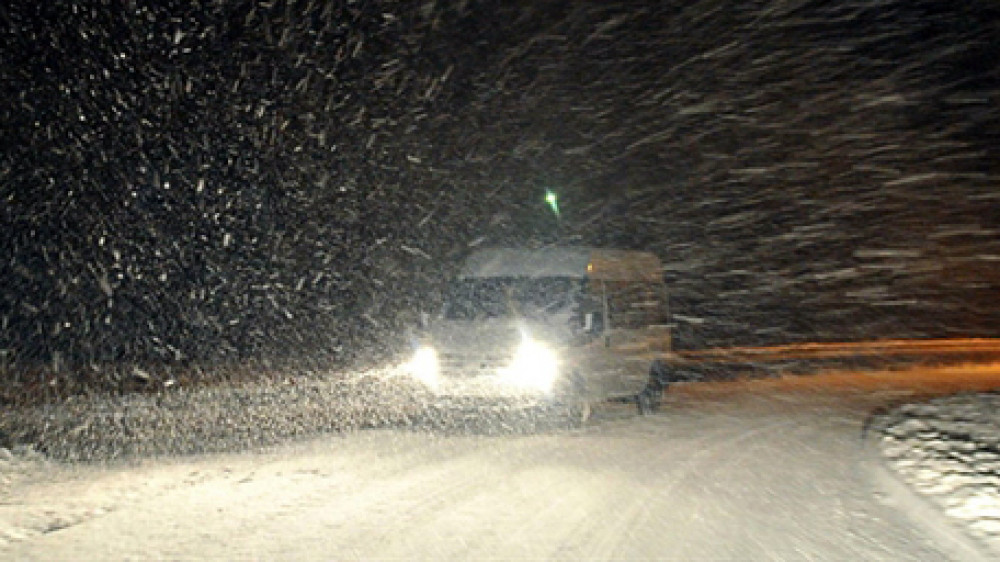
(593, 323)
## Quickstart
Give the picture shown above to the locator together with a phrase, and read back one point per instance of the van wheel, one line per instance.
(648, 402)
(578, 388)
(651, 397)
(659, 375)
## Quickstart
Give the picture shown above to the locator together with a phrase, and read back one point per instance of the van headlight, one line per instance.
(535, 367)
(424, 366)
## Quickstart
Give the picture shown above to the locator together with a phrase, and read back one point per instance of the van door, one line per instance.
(630, 317)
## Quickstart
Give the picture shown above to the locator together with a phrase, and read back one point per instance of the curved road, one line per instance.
(763, 470)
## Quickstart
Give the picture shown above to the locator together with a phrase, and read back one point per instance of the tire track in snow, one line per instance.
(606, 535)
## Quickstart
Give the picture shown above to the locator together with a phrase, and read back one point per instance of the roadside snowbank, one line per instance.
(243, 418)
(16, 464)
(948, 449)
(184, 421)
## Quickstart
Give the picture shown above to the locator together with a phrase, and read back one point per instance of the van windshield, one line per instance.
(499, 297)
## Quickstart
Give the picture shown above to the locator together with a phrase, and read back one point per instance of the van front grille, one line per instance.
(457, 365)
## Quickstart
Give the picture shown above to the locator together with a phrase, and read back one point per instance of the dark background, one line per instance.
(218, 181)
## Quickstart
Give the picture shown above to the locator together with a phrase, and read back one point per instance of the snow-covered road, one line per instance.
(765, 470)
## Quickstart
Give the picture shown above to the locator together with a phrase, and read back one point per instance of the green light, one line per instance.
(553, 201)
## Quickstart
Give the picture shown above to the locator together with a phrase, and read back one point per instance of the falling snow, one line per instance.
(294, 180)
(270, 193)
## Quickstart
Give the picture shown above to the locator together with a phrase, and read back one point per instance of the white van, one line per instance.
(555, 323)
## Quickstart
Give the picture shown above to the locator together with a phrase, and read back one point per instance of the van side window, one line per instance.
(588, 302)
(634, 304)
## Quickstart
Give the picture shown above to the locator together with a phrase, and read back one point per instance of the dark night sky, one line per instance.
(217, 180)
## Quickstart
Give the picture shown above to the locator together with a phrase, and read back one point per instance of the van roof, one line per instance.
(571, 262)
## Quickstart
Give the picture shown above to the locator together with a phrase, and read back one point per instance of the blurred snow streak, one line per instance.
(287, 179)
